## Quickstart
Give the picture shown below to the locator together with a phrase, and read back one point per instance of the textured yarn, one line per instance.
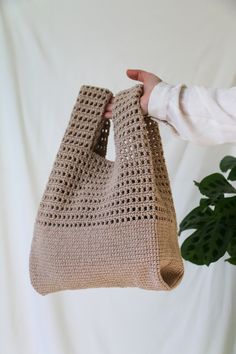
(103, 223)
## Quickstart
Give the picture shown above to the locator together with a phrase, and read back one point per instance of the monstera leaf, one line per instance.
(214, 220)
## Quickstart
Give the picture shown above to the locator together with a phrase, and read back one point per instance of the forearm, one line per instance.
(200, 115)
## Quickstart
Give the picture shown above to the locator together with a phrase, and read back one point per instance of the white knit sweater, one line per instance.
(197, 114)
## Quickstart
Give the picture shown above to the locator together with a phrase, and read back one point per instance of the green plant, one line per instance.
(214, 220)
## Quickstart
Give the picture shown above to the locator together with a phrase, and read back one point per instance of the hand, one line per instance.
(149, 81)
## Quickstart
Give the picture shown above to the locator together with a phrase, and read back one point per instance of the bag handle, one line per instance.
(86, 121)
(87, 129)
(130, 126)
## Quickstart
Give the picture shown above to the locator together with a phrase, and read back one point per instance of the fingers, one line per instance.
(107, 115)
(108, 109)
(147, 78)
(136, 74)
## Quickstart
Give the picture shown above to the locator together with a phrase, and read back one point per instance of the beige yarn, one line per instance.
(105, 223)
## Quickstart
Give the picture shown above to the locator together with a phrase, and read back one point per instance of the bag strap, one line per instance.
(130, 132)
(86, 121)
(88, 130)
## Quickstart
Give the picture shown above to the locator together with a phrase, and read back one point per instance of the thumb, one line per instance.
(136, 74)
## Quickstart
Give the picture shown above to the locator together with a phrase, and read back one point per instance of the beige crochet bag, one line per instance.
(105, 223)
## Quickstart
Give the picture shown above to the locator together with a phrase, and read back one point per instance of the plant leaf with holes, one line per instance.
(232, 175)
(207, 244)
(227, 163)
(196, 218)
(231, 260)
(214, 219)
(232, 244)
(215, 185)
(225, 210)
(204, 202)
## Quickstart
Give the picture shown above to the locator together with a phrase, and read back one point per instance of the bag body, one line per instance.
(103, 223)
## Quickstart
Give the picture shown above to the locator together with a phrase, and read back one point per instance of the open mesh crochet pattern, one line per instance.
(103, 223)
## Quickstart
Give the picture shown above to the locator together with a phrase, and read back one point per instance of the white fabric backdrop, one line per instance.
(48, 50)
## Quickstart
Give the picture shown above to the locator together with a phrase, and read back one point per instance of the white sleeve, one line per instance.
(202, 116)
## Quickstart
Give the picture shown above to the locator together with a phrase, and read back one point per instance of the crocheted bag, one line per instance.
(105, 223)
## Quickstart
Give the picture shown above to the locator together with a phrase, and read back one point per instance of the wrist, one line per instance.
(158, 100)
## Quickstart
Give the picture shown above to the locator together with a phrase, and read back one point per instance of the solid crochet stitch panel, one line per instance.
(74, 199)
(103, 223)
